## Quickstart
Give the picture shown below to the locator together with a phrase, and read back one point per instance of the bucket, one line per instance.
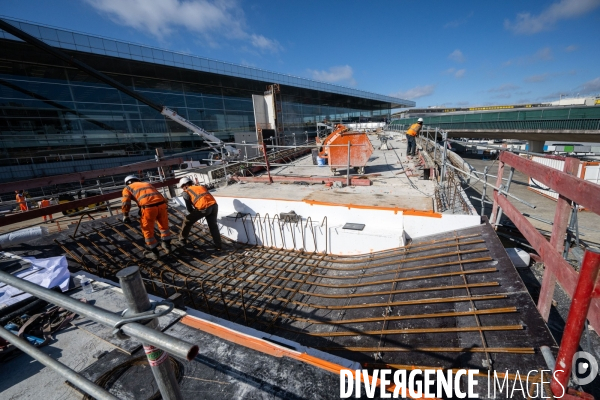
(321, 162)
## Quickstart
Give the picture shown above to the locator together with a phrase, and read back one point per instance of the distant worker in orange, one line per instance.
(200, 204)
(411, 134)
(46, 203)
(153, 208)
(21, 200)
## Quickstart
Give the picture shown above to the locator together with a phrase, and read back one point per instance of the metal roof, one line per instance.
(71, 40)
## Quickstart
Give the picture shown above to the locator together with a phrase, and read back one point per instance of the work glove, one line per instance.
(126, 219)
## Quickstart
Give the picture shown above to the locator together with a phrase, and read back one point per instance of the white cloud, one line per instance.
(161, 18)
(528, 24)
(415, 93)
(449, 71)
(571, 48)
(343, 73)
(503, 88)
(543, 54)
(458, 22)
(262, 43)
(537, 78)
(457, 56)
(590, 87)
(460, 73)
(247, 63)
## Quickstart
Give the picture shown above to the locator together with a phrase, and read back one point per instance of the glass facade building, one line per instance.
(49, 108)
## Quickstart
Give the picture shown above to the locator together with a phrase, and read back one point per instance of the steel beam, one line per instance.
(40, 212)
(79, 176)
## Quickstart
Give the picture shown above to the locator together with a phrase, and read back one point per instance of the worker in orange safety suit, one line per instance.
(21, 201)
(200, 204)
(45, 203)
(411, 134)
(153, 208)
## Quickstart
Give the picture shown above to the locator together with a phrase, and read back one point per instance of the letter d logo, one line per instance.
(584, 368)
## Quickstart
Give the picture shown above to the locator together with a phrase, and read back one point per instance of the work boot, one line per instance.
(181, 242)
(166, 245)
(152, 254)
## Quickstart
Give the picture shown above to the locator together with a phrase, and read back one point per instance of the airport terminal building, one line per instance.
(49, 108)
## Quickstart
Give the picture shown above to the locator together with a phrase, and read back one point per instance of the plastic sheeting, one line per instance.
(46, 272)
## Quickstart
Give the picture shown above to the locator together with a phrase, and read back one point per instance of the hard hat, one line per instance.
(131, 178)
(185, 181)
(420, 120)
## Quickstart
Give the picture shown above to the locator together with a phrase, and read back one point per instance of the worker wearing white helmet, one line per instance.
(153, 207)
(411, 134)
(200, 204)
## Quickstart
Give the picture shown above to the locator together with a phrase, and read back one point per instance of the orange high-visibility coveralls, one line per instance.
(21, 201)
(45, 203)
(414, 129)
(154, 209)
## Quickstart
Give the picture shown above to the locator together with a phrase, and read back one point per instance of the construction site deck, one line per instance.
(447, 300)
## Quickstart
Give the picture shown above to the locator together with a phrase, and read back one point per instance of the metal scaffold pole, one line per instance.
(137, 303)
(444, 154)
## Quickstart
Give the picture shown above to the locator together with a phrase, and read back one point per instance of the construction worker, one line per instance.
(200, 204)
(21, 201)
(411, 134)
(45, 203)
(153, 208)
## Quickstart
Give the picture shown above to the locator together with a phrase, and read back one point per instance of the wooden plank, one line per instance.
(79, 176)
(566, 276)
(557, 240)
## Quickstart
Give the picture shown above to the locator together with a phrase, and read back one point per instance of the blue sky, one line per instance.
(437, 53)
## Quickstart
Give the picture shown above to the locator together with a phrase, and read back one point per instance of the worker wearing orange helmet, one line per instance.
(200, 204)
(411, 134)
(45, 203)
(21, 201)
(153, 208)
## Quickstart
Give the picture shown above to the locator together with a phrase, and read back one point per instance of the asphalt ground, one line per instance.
(589, 223)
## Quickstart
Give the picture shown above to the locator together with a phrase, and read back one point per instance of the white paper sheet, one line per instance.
(49, 272)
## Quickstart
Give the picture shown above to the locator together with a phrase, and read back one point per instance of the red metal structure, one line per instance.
(587, 289)
(583, 287)
(9, 187)
(78, 177)
(40, 212)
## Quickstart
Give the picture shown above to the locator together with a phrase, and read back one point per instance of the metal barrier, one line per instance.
(154, 341)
